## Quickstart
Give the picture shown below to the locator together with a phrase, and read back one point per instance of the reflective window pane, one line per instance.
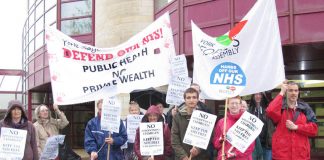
(49, 4)
(76, 26)
(39, 40)
(31, 33)
(40, 9)
(40, 25)
(31, 47)
(76, 9)
(50, 16)
(31, 19)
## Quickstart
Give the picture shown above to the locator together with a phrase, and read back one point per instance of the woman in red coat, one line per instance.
(234, 113)
(295, 122)
(153, 114)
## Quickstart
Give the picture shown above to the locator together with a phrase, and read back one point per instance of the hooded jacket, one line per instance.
(178, 131)
(231, 120)
(94, 140)
(48, 127)
(31, 144)
(286, 144)
(166, 135)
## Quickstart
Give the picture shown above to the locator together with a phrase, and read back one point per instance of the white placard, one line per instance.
(51, 147)
(12, 143)
(151, 137)
(176, 89)
(199, 129)
(133, 122)
(179, 66)
(110, 115)
(244, 131)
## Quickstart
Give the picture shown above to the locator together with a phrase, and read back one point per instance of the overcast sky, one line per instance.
(13, 15)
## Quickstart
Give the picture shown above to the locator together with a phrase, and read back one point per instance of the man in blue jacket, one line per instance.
(96, 140)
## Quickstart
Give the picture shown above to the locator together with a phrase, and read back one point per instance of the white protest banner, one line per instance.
(12, 143)
(179, 66)
(151, 138)
(176, 88)
(244, 131)
(199, 130)
(110, 115)
(51, 147)
(82, 73)
(133, 122)
(246, 60)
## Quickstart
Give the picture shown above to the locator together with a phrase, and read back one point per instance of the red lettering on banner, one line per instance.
(84, 56)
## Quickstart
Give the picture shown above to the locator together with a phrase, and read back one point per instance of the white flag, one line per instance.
(246, 60)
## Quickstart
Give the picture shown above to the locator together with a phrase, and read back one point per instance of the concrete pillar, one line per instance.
(116, 22)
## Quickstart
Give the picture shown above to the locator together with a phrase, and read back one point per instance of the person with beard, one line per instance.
(295, 121)
(46, 126)
(16, 118)
(96, 140)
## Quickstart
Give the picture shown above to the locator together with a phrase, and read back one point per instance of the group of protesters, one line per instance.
(288, 124)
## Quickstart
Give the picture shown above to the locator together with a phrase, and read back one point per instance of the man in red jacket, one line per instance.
(295, 121)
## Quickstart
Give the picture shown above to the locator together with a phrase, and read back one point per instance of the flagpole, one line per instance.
(108, 152)
(224, 131)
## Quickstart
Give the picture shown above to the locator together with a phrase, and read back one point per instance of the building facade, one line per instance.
(106, 23)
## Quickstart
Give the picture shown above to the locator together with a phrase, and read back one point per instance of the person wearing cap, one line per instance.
(153, 114)
(295, 121)
(16, 118)
(46, 126)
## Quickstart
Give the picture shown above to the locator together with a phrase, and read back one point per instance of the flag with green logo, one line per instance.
(245, 60)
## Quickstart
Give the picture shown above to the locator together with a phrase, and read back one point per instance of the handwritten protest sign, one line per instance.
(51, 147)
(133, 122)
(176, 88)
(199, 129)
(244, 131)
(151, 137)
(12, 143)
(82, 73)
(110, 116)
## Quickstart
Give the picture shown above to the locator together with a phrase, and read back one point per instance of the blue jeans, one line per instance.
(267, 154)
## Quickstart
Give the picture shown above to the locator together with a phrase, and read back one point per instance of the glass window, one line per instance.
(159, 4)
(39, 40)
(31, 33)
(31, 3)
(38, 97)
(49, 4)
(40, 9)
(76, 26)
(50, 16)
(31, 47)
(40, 25)
(76, 9)
(31, 19)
